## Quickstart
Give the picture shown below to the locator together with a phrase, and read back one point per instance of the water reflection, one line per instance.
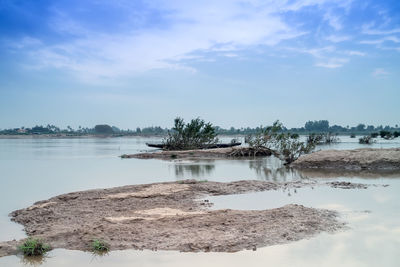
(196, 170)
(82, 164)
(334, 173)
(32, 260)
(272, 169)
(268, 169)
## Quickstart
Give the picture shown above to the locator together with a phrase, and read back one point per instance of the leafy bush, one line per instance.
(322, 138)
(286, 146)
(34, 247)
(266, 137)
(196, 134)
(367, 140)
(314, 139)
(291, 148)
(383, 134)
(100, 246)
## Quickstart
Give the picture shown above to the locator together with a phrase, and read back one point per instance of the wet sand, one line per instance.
(171, 216)
(356, 159)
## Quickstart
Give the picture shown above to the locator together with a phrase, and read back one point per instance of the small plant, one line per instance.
(99, 246)
(352, 136)
(367, 140)
(34, 247)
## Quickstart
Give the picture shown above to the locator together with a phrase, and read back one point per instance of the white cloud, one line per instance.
(355, 53)
(338, 38)
(332, 63)
(193, 26)
(380, 72)
(369, 30)
(333, 20)
(381, 40)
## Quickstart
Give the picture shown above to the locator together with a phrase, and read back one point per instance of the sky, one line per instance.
(136, 63)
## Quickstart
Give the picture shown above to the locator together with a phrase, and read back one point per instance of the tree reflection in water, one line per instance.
(199, 169)
(272, 169)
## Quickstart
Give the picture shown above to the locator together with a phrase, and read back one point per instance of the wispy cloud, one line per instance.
(332, 63)
(333, 20)
(338, 38)
(354, 53)
(371, 29)
(380, 72)
(188, 29)
(393, 39)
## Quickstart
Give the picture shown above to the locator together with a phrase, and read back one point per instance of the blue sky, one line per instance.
(234, 63)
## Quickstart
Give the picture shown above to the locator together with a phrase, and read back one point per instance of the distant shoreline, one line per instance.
(54, 136)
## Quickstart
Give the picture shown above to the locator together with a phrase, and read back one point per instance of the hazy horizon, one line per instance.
(233, 63)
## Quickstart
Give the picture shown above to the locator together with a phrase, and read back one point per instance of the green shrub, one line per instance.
(196, 134)
(34, 247)
(367, 140)
(99, 246)
(286, 146)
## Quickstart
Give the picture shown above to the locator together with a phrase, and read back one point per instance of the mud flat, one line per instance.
(357, 159)
(169, 216)
(184, 154)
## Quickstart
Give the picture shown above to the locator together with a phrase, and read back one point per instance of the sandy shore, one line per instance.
(356, 159)
(171, 216)
(184, 154)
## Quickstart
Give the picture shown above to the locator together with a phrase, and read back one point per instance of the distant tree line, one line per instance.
(321, 126)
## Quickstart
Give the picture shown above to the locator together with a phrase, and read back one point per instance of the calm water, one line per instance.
(37, 169)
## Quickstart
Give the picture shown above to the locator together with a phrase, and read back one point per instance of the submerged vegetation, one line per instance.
(196, 134)
(271, 140)
(366, 140)
(322, 138)
(34, 247)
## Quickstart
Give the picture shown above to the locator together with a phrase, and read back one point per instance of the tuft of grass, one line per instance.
(174, 156)
(100, 246)
(34, 247)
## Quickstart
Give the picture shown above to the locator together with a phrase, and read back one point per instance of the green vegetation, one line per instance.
(194, 135)
(322, 138)
(100, 246)
(374, 135)
(366, 140)
(103, 129)
(291, 148)
(34, 247)
(321, 126)
(271, 140)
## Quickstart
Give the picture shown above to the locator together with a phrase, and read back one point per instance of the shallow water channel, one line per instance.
(37, 169)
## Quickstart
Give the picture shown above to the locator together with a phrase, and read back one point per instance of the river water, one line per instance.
(37, 169)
